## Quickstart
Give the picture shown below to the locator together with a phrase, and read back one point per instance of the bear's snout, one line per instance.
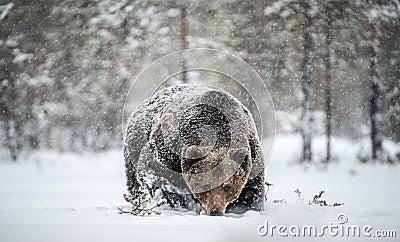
(216, 212)
(215, 203)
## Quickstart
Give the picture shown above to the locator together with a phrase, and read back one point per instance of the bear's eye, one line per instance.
(207, 187)
(238, 155)
(227, 188)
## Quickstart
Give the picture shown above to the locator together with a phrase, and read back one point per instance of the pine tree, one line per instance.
(390, 69)
(328, 81)
(376, 13)
(184, 41)
(375, 96)
(308, 78)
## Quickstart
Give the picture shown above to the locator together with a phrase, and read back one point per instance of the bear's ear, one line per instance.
(238, 155)
(191, 155)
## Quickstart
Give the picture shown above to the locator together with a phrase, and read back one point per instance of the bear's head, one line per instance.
(216, 177)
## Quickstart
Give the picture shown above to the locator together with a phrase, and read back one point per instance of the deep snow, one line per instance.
(52, 196)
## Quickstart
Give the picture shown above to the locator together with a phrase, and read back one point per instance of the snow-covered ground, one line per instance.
(51, 196)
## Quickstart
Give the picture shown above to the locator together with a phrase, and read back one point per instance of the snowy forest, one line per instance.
(66, 66)
(332, 68)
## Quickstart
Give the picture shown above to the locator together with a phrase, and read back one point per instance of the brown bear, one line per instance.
(197, 147)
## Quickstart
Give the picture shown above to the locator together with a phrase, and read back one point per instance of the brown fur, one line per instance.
(216, 178)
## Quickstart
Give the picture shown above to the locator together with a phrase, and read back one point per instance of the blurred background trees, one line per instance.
(66, 65)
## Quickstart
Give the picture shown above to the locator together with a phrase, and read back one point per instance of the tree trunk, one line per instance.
(10, 142)
(184, 42)
(328, 81)
(375, 94)
(307, 79)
